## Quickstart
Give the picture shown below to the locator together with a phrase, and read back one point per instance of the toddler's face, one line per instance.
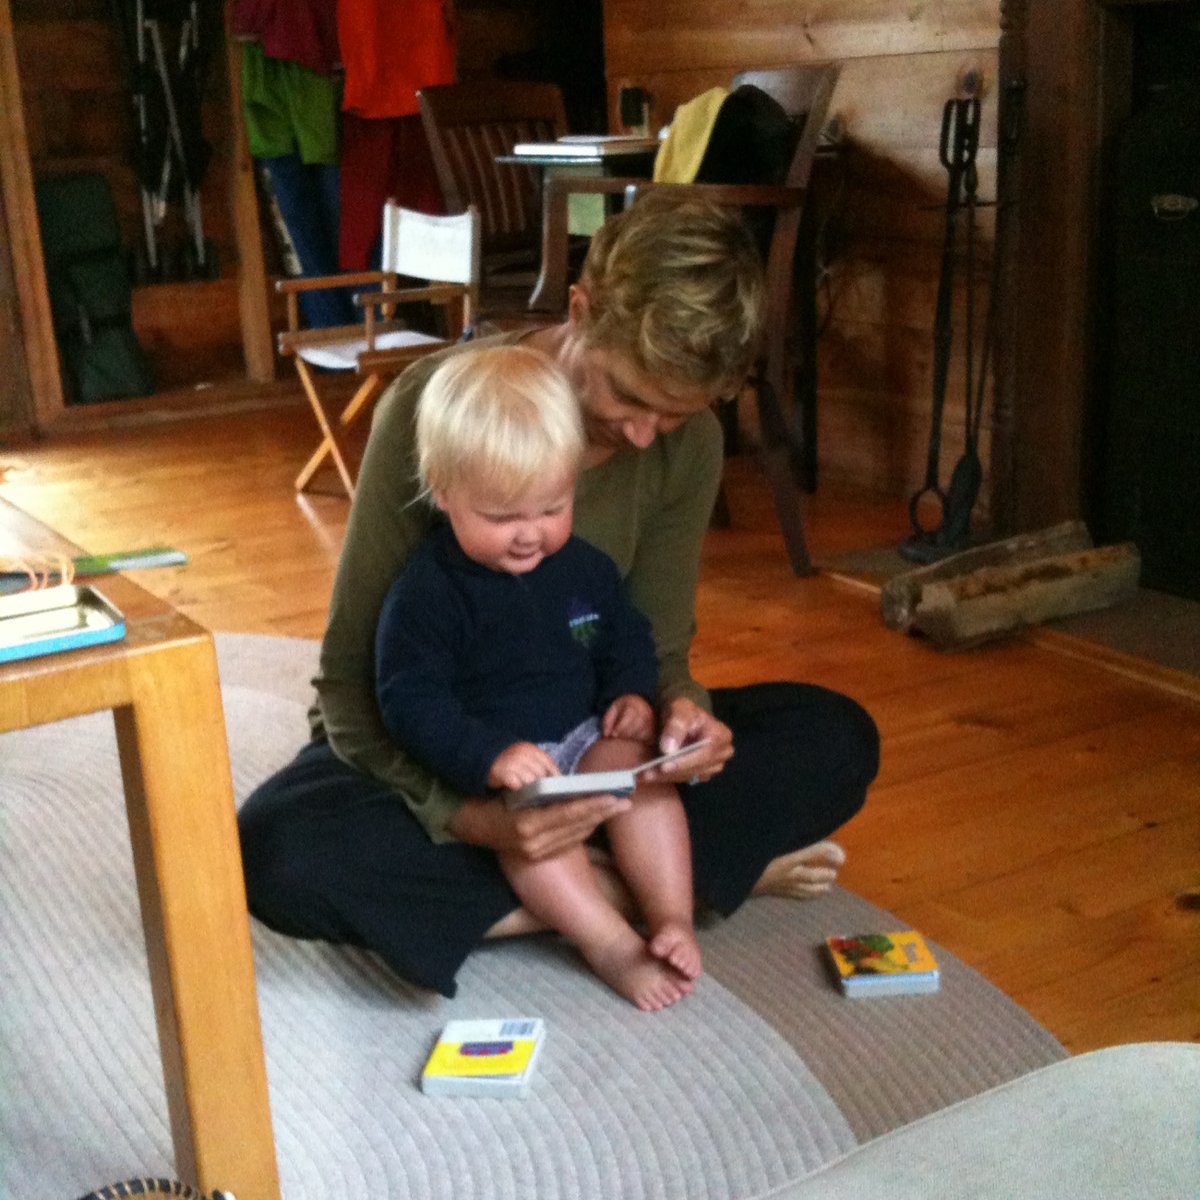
(510, 535)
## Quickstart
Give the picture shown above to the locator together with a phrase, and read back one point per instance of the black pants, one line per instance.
(332, 853)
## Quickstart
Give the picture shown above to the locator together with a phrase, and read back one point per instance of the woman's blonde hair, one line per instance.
(676, 285)
(502, 419)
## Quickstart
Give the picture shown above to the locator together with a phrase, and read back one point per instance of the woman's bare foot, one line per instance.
(674, 942)
(628, 967)
(803, 874)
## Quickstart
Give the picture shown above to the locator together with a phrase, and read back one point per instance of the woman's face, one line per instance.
(621, 405)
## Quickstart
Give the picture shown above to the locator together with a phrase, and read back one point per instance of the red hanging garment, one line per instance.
(299, 31)
(391, 49)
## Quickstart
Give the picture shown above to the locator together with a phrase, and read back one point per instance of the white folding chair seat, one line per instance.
(441, 251)
(343, 356)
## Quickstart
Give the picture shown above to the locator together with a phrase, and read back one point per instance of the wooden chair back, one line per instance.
(785, 380)
(468, 125)
(804, 93)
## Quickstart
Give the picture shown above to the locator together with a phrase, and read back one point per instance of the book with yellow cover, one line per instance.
(484, 1058)
(884, 964)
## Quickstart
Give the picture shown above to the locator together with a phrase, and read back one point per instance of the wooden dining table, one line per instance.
(584, 214)
(160, 683)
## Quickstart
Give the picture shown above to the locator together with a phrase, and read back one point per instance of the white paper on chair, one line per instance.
(343, 356)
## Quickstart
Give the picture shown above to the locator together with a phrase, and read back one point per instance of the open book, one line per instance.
(590, 783)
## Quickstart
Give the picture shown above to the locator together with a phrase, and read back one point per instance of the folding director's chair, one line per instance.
(443, 252)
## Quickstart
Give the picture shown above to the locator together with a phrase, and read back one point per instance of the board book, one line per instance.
(590, 783)
(484, 1058)
(883, 964)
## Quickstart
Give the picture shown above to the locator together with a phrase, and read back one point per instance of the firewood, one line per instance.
(901, 595)
(993, 601)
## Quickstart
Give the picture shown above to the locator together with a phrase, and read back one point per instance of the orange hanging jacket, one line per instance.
(390, 49)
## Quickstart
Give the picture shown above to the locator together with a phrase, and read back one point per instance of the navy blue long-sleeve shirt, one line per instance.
(469, 660)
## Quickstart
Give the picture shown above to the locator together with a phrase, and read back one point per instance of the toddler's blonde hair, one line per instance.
(502, 419)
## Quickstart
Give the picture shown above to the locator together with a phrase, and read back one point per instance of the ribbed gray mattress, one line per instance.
(762, 1075)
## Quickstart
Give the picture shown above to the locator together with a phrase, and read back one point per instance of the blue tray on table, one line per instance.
(50, 620)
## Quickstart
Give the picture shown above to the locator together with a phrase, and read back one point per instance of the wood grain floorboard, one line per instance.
(1037, 812)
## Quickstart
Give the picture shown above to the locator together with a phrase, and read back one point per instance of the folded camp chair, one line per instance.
(443, 252)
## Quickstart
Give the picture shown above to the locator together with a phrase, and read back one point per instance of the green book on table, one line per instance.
(128, 560)
(21, 574)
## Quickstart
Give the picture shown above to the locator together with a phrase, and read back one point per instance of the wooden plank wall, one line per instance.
(15, 396)
(901, 62)
(26, 336)
(79, 114)
(79, 118)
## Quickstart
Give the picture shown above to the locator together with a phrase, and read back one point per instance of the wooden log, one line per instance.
(966, 610)
(901, 595)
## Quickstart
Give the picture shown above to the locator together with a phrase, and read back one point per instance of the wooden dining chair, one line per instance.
(784, 378)
(468, 125)
(442, 253)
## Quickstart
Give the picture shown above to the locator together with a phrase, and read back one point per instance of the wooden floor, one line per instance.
(1039, 814)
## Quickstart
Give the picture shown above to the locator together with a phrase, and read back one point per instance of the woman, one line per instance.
(353, 842)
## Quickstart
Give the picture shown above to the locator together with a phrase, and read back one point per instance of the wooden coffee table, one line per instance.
(161, 684)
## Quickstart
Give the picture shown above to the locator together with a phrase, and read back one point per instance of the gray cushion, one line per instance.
(1117, 1123)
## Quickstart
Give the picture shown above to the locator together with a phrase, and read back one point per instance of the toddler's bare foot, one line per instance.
(628, 967)
(803, 874)
(675, 943)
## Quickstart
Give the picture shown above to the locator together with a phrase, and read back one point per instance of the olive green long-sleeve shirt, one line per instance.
(647, 509)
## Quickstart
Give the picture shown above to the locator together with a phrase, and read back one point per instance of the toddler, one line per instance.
(507, 651)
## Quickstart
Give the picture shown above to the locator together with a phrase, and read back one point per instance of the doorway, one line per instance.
(1146, 455)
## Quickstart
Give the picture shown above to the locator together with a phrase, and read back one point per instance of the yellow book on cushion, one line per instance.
(484, 1058)
(883, 964)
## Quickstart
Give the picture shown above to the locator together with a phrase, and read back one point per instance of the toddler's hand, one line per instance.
(629, 716)
(521, 763)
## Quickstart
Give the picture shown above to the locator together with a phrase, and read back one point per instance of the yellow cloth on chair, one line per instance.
(682, 152)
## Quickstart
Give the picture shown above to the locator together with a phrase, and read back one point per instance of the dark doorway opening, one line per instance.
(567, 48)
(1146, 485)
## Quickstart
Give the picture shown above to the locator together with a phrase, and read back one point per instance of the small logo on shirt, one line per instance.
(583, 621)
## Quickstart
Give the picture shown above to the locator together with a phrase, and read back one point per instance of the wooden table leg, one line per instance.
(179, 794)
(550, 290)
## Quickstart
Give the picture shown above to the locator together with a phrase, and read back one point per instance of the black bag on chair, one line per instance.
(751, 141)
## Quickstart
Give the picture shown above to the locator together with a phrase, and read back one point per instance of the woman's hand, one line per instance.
(534, 833)
(684, 721)
(629, 716)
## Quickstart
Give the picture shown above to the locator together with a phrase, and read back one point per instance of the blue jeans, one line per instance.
(308, 199)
